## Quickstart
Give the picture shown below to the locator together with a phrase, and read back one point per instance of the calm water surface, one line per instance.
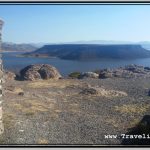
(13, 63)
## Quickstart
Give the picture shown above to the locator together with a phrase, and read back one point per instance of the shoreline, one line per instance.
(35, 56)
(15, 51)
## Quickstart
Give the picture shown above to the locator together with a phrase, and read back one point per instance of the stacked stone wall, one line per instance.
(1, 78)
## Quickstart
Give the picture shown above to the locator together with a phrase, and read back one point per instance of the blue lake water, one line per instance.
(13, 63)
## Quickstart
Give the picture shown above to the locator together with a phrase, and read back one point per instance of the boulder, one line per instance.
(39, 71)
(122, 73)
(135, 68)
(149, 93)
(142, 128)
(118, 73)
(128, 74)
(105, 73)
(88, 75)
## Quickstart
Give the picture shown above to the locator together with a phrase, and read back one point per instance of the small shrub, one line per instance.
(74, 74)
(97, 71)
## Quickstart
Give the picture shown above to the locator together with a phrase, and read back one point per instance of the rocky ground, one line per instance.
(40, 107)
(73, 111)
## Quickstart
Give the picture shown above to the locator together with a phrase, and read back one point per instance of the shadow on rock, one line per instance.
(139, 135)
(18, 77)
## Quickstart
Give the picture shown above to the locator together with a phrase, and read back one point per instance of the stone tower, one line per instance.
(1, 76)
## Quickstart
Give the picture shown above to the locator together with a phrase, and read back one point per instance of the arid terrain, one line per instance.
(73, 111)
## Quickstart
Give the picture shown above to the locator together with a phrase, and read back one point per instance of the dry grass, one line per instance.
(51, 83)
(8, 120)
(31, 107)
(117, 123)
(113, 122)
(42, 141)
(60, 84)
(133, 123)
(18, 90)
(74, 108)
(57, 110)
(132, 108)
(15, 90)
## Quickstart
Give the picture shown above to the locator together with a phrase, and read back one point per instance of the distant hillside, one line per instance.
(11, 47)
(91, 51)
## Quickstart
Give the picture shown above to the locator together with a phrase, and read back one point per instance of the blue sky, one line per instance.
(67, 23)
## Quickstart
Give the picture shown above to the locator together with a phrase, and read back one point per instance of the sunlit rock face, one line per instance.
(39, 71)
(1, 76)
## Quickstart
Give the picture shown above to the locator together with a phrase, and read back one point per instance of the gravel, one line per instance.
(63, 116)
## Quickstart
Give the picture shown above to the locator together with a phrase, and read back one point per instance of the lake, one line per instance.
(13, 63)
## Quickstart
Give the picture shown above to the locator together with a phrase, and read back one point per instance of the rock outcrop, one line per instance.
(105, 73)
(130, 71)
(88, 75)
(39, 71)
